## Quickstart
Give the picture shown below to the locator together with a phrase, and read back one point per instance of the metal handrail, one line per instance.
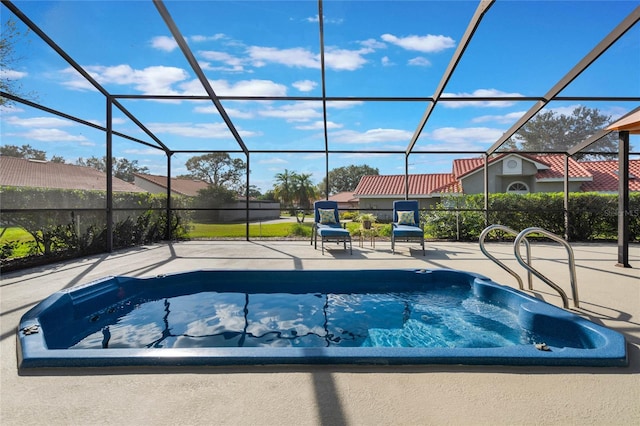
(484, 234)
(572, 264)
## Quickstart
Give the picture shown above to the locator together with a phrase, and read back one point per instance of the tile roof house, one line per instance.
(511, 172)
(345, 200)
(22, 172)
(179, 186)
(229, 212)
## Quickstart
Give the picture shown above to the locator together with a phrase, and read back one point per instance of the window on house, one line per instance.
(518, 188)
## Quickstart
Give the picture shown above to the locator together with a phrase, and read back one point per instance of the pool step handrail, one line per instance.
(572, 264)
(486, 232)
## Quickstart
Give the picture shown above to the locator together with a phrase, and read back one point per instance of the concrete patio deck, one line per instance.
(331, 395)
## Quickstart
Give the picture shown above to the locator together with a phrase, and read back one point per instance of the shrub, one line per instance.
(299, 230)
(591, 215)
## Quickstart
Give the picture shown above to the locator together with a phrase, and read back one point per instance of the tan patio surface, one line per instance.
(331, 395)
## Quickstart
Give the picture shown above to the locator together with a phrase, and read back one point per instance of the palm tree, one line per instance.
(305, 192)
(284, 189)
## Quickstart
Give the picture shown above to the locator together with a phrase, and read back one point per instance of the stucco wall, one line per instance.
(149, 186)
(268, 210)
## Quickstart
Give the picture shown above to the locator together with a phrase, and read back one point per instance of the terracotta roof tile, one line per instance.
(605, 176)
(43, 174)
(597, 176)
(419, 184)
(343, 197)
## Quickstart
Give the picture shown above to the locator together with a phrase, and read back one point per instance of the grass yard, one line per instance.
(238, 230)
(20, 237)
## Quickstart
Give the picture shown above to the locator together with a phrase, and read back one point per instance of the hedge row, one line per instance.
(74, 222)
(592, 216)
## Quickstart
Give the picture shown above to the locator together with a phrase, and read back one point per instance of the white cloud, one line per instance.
(372, 44)
(167, 44)
(316, 18)
(427, 44)
(240, 88)
(419, 61)
(292, 113)
(468, 135)
(233, 63)
(232, 112)
(319, 125)
(9, 109)
(196, 130)
(505, 118)
(273, 161)
(201, 38)
(54, 135)
(480, 93)
(345, 60)
(46, 122)
(343, 104)
(370, 136)
(155, 80)
(295, 57)
(305, 85)
(145, 152)
(6, 74)
(335, 59)
(566, 110)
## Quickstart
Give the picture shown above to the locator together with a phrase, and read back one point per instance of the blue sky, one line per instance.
(271, 48)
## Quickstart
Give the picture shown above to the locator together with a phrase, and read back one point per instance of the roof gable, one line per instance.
(549, 166)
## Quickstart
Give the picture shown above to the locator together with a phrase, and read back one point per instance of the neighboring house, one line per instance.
(22, 172)
(158, 184)
(345, 200)
(232, 212)
(515, 173)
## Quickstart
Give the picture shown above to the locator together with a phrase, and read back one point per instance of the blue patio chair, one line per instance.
(326, 224)
(406, 224)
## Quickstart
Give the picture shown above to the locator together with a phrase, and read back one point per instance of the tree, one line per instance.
(283, 189)
(305, 190)
(550, 131)
(122, 168)
(254, 192)
(269, 195)
(8, 78)
(294, 190)
(345, 178)
(212, 197)
(24, 151)
(219, 169)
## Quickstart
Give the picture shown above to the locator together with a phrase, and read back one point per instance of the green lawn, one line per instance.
(238, 230)
(17, 235)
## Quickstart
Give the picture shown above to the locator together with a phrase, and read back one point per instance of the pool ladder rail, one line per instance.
(522, 238)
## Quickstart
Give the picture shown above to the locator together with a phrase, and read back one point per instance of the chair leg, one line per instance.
(393, 244)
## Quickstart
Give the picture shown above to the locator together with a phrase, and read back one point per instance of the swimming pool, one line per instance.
(388, 317)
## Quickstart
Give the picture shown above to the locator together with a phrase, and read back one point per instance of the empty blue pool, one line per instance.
(384, 317)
